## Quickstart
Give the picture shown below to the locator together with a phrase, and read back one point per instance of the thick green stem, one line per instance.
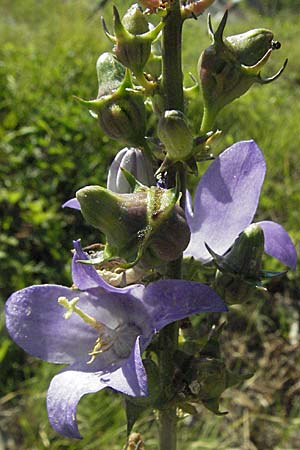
(172, 84)
(171, 57)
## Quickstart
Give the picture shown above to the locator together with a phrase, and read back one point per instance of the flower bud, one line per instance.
(239, 270)
(124, 120)
(122, 113)
(175, 134)
(230, 66)
(133, 38)
(147, 223)
(135, 162)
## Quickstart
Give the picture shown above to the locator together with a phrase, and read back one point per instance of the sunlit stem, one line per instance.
(208, 120)
(172, 83)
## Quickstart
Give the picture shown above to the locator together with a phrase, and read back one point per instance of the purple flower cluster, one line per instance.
(101, 331)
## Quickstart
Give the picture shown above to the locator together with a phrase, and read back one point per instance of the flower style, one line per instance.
(106, 332)
(225, 202)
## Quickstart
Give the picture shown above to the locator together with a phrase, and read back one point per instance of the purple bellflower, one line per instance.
(225, 202)
(106, 331)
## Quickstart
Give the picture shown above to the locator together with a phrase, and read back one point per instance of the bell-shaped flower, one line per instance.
(225, 203)
(99, 331)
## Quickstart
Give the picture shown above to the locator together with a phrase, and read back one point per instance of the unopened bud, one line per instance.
(123, 119)
(230, 66)
(175, 134)
(133, 38)
(134, 161)
(122, 114)
(239, 270)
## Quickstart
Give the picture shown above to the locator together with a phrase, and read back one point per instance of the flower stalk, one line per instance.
(172, 83)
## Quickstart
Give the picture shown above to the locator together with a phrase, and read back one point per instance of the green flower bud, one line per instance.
(121, 114)
(133, 38)
(175, 134)
(239, 270)
(146, 224)
(230, 66)
(245, 256)
(124, 119)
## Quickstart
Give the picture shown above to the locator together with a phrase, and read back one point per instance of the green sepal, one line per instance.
(110, 74)
(133, 412)
(239, 272)
(213, 405)
(212, 347)
(267, 275)
(135, 184)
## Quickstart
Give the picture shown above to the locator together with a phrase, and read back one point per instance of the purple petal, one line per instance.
(85, 276)
(72, 203)
(278, 243)
(226, 199)
(36, 322)
(67, 388)
(171, 300)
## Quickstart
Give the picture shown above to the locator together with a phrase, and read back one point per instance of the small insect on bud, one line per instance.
(230, 66)
(133, 38)
(146, 224)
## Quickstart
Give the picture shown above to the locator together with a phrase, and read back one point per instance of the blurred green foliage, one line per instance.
(50, 146)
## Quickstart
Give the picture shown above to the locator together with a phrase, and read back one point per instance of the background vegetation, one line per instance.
(50, 146)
